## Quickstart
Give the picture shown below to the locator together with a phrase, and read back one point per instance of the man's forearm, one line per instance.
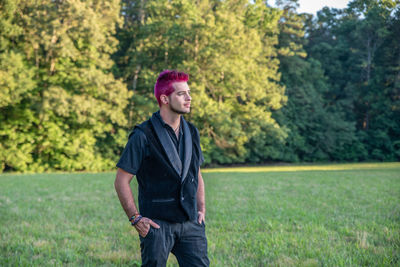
(125, 196)
(124, 193)
(201, 197)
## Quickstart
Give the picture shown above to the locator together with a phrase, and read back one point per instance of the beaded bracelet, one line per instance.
(137, 219)
(134, 216)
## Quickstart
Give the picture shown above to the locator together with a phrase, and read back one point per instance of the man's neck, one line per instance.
(170, 118)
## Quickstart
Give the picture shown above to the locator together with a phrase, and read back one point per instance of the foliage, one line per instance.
(61, 108)
(268, 84)
(316, 132)
(359, 52)
(228, 49)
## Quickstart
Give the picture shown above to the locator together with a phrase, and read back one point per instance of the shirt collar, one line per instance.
(164, 124)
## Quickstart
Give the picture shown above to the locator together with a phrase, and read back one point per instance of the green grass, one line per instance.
(347, 216)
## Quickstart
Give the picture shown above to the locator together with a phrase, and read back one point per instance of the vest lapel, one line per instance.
(188, 148)
(167, 145)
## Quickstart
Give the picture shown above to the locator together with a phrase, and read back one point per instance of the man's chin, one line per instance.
(181, 111)
(185, 112)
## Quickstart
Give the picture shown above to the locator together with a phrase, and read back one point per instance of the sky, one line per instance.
(312, 6)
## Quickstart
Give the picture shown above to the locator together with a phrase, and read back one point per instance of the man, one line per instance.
(165, 155)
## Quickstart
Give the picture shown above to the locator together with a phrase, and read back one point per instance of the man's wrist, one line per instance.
(134, 216)
(136, 220)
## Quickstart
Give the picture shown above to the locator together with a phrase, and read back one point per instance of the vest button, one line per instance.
(183, 198)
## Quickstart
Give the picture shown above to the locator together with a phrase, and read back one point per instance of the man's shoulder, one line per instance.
(191, 126)
(143, 126)
(140, 130)
(194, 131)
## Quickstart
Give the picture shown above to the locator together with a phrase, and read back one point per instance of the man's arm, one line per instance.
(201, 199)
(125, 196)
(124, 192)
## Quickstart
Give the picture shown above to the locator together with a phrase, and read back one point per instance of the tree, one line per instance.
(228, 49)
(68, 120)
(350, 45)
(315, 132)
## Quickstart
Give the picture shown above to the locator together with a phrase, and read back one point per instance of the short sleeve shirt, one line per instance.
(136, 149)
(134, 152)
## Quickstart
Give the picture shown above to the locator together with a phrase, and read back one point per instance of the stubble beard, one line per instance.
(177, 111)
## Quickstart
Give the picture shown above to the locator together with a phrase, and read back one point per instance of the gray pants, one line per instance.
(187, 241)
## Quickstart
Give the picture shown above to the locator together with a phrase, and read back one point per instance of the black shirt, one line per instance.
(136, 148)
(178, 142)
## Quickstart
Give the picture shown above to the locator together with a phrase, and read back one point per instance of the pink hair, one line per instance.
(165, 80)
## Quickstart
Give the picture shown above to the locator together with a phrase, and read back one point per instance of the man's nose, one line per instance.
(188, 97)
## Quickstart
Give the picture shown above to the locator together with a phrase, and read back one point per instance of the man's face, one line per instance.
(179, 100)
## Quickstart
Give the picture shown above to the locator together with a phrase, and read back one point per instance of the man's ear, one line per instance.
(164, 99)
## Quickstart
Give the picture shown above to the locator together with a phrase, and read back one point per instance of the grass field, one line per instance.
(337, 215)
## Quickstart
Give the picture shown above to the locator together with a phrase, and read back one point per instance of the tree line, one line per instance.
(268, 84)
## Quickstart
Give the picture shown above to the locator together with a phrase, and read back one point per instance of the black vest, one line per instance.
(163, 193)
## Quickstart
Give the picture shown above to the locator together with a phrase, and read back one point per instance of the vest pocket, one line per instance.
(162, 200)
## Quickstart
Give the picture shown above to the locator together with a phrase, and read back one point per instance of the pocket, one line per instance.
(162, 200)
(202, 224)
(149, 233)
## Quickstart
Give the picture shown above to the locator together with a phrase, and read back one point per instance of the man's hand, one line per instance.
(201, 217)
(143, 226)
